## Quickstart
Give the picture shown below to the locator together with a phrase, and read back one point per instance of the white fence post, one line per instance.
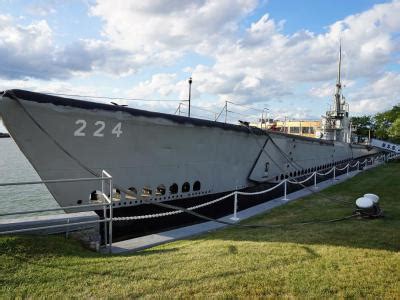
(358, 165)
(285, 191)
(347, 169)
(235, 203)
(334, 172)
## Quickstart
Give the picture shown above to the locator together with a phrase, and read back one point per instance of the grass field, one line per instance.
(353, 258)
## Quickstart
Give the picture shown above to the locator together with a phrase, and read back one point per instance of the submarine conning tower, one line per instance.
(336, 123)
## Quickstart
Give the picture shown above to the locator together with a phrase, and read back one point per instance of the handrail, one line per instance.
(341, 169)
(261, 192)
(355, 165)
(51, 181)
(305, 180)
(235, 193)
(324, 174)
(52, 226)
(52, 209)
(105, 176)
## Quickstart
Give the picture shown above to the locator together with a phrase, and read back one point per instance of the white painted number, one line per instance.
(99, 131)
(117, 130)
(79, 131)
(101, 125)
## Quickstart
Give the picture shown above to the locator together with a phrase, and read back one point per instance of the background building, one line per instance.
(309, 128)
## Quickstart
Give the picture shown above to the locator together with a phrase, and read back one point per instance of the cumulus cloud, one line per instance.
(54, 86)
(30, 52)
(261, 63)
(252, 64)
(42, 8)
(295, 113)
(270, 59)
(23, 50)
(258, 64)
(378, 95)
(328, 89)
(154, 26)
(162, 84)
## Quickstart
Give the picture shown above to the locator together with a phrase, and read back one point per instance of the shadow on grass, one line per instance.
(368, 234)
(380, 233)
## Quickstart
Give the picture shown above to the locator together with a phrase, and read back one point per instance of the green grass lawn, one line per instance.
(353, 258)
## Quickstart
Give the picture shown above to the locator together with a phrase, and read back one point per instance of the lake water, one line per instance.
(14, 167)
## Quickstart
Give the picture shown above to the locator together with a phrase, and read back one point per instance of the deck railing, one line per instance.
(106, 204)
(284, 182)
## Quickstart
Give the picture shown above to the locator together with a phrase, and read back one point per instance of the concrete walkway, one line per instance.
(152, 240)
(28, 224)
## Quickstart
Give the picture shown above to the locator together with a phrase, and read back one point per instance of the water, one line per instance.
(14, 167)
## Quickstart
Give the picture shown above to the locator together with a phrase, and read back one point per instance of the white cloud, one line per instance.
(152, 27)
(322, 91)
(377, 96)
(162, 84)
(259, 64)
(264, 64)
(54, 86)
(42, 8)
(328, 89)
(294, 114)
(255, 64)
(30, 52)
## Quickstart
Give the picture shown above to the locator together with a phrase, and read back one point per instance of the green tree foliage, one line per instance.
(384, 122)
(385, 125)
(394, 131)
(363, 124)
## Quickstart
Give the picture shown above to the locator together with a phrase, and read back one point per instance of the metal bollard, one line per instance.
(285, 191)
(235, 203)
(347, 169)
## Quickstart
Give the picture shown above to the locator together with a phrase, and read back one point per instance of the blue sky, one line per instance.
(276, 54)
(314, 15)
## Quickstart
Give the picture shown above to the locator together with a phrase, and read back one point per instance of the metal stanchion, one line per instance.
(285, 191)
(111, 218)
(235, 204)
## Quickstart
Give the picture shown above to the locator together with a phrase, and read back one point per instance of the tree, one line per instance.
(384, 125)
(363, 124)
(394, 131)
(384, 121)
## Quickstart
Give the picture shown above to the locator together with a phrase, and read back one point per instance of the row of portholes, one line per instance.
(148, 192)
(133, 201)
(161, 190)
(310, 170)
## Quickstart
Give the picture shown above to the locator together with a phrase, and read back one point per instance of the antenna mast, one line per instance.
(190, 93)
(338, 83)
